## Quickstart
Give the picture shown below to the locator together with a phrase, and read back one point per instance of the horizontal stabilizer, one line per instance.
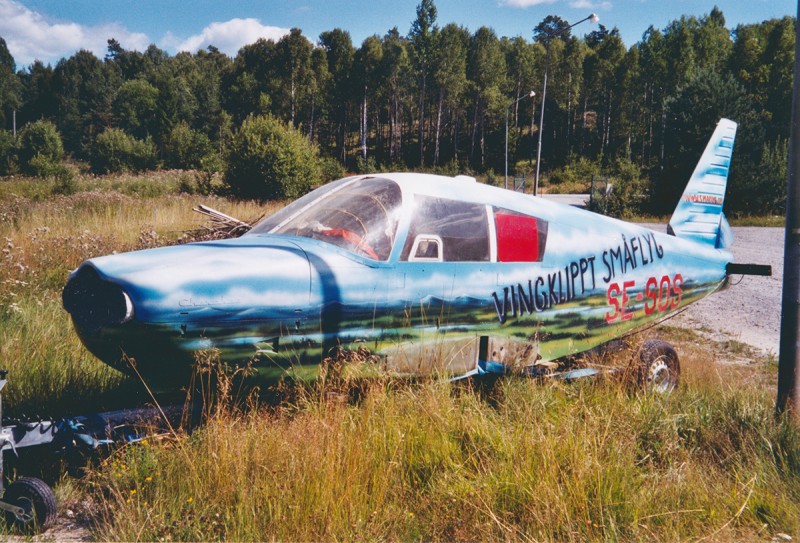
(764, 270)
(698, 215)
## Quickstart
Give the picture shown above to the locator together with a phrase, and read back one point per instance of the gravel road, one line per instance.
(750, 309)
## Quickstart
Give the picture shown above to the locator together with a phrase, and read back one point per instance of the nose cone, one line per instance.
(93, 302)
(161, 305)
(207, 280)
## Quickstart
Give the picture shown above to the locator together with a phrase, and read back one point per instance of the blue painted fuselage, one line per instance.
(283, 301)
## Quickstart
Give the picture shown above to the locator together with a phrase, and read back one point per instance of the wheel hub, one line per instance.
(659, 376)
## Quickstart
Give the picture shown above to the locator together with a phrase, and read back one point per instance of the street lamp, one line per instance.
(593, 18)
(529, 95)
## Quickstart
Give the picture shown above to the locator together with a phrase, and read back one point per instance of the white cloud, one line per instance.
(525, 3)
(30, 35)
(588, 4)
(228, 36)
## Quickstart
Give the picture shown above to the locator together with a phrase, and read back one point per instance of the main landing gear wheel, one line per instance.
(37, 502)
(657, 365)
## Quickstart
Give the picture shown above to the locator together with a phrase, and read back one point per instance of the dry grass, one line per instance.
(519, 461)
(42, 238)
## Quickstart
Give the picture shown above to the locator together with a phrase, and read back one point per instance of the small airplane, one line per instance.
(434, 274)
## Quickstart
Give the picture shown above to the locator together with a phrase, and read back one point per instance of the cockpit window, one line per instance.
(360, 217)
(520, 238)
(447, 231)
(268, 224)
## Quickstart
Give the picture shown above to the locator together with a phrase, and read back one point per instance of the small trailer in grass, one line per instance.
(28, 503)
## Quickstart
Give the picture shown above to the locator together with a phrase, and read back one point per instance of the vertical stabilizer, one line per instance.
(699, 213)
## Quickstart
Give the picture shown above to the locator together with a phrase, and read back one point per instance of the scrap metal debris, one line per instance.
(218, 226)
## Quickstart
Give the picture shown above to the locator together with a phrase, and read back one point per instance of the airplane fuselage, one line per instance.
(450, 278)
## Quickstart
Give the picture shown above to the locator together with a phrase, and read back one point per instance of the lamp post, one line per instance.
(593, 18)
(789, 356)
(529, 95)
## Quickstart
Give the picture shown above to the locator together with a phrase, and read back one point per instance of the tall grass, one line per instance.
(523, 461)
(43, 236)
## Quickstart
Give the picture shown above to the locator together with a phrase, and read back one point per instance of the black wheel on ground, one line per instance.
(36, 499)
(658, 368)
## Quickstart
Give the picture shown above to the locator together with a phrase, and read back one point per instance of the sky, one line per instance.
(49, 30)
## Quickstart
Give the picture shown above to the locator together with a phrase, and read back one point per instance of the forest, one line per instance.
(435, 98)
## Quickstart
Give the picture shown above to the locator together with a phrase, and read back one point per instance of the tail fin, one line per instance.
(699, 214)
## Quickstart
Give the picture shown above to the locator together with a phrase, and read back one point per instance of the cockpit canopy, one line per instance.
(363, 215)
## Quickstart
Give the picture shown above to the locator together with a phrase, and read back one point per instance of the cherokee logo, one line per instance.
(703, 199)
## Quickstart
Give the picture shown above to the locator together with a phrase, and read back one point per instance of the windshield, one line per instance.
(360, 217)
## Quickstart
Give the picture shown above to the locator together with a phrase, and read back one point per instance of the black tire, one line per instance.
(658, 367)
(38, 501)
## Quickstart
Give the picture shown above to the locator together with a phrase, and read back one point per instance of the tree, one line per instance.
(186, 148)
(176, 80)
(396, 70)
(84, 89)
(682, 61)
(366, 67)
(135, 108)
(713, 41)
(292, 68)
(8, 152)
(10, 86)
(551, 28)
(652, 93)
(269, 159)
(319, 84)
(603, 90)
(779, 62)
(423, 36)
(691, 115)
(339, 52)
(130, 64)
(450, 77)
(245, 87)
(488, 75)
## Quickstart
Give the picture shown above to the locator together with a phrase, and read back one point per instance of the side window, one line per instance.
(427, 248)
(447, 231)
(520, 238)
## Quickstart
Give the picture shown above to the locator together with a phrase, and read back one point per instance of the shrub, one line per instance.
(207, 174)
(65, 180)
(493, 179)
(367, 165)
(629, 191)
(40, 148)
(451, 169)
(43, 166)
(185, 148)
(270, 160)
(331, 169)
(577, 171)
(8, 153)
(116, 151)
